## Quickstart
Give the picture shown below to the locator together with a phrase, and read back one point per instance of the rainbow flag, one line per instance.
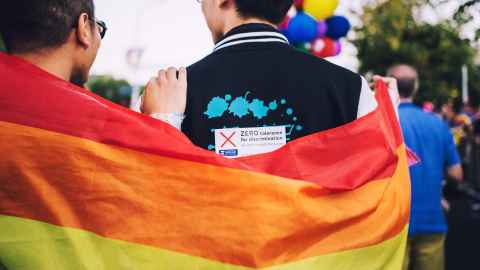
(86, 184)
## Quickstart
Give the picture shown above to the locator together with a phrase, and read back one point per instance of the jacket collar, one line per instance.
(251, 33)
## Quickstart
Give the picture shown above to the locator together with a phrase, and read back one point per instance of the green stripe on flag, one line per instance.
(29, 244)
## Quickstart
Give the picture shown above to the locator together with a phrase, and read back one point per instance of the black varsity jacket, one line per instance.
(254, 78)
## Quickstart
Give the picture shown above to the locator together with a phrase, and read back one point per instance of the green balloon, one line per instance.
(304, 47)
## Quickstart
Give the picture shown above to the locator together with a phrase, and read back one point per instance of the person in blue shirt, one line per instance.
(430, 138)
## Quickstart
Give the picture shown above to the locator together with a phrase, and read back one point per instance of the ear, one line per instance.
(224, 3)
(84, 31)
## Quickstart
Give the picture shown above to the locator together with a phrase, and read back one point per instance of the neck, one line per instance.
(53, 62)
(406, 100)
(236, 22)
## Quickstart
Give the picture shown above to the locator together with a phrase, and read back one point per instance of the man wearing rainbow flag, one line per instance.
(87, 184)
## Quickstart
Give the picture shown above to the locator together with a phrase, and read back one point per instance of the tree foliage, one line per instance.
(391, 35)
(466, 12)
(117, 91)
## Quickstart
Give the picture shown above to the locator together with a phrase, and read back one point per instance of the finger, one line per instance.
(389, 79)
(392, 83)
(149, 87)
(146, 93)
(172, 74)
(182, 75)
(142, 104)
(162, 76)
(375, 80)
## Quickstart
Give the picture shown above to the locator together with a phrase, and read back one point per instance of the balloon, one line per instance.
(302, 28)
(298, 4)
(428, 107)
(284, 24)
(324, 47)
(304, 47)
(338, 27)
(322, 29)
(320, 9)
(338, 47)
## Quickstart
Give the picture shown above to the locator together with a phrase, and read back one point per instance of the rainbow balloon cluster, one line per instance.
(315, 29)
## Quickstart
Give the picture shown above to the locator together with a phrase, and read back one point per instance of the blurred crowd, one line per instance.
(462, 201)
(464, 122)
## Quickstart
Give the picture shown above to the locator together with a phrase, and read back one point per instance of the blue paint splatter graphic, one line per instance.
(211, 147)
(239, 107)
(258, 109)
(273, 105)
(216, 108)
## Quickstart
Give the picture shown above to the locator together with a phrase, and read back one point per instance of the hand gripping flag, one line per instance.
(86, 184)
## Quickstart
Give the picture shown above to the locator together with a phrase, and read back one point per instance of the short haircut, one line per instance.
(408, 82)
(273, 11)
(31, 25)
(406, 87)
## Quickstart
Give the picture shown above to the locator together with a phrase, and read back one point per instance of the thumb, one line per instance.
(147, 93)
(182, 75)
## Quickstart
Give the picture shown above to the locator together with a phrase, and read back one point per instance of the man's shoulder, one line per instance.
(319, 64)
(414, 113)
(197, 66)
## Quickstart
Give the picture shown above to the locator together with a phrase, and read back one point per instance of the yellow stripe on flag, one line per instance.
(50, 247)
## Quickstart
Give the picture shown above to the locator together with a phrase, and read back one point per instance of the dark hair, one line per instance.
(274, 11)
(406, 87)
(30, 25)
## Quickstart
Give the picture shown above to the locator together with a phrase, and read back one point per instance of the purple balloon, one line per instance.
(322, 28)
(338, 47)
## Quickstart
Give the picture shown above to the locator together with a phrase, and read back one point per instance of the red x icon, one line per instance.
(228, 139)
